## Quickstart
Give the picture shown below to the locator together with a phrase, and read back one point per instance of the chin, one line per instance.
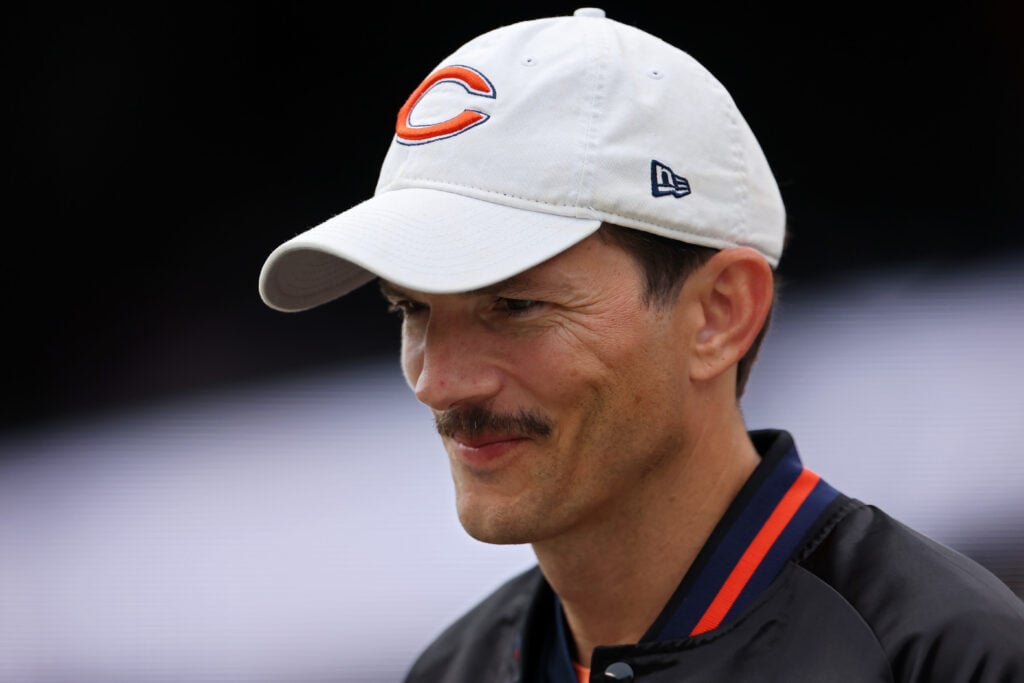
(493, 527)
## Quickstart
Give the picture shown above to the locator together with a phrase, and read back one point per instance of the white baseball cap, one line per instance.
(520, 144)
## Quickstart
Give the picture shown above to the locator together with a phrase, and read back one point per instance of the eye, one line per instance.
(517, 306)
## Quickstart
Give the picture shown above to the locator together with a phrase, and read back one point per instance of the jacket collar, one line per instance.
(766, 524)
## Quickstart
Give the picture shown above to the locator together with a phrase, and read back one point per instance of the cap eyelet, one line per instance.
(655, 73)
(530, 61)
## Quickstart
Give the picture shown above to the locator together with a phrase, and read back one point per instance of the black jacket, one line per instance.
(797, 583)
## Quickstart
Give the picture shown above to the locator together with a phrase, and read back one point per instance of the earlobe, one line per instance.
(735, 292)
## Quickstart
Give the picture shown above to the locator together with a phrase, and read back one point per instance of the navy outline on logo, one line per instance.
(665, 181)
(421, 92)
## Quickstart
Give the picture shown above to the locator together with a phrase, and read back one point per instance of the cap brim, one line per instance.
(426, 240)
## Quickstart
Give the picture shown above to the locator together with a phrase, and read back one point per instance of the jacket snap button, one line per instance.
(619, 671)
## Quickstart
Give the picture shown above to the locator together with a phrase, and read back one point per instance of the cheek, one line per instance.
(633, 369)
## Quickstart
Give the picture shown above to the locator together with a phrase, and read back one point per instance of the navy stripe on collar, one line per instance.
(766, 522)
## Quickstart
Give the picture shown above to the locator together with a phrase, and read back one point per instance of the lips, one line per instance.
(481, 440)
(487, 449)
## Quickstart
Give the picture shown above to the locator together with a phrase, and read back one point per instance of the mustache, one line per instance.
(474, 420)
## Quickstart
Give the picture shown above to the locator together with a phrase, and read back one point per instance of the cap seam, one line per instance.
(739, 228)
(597, 51)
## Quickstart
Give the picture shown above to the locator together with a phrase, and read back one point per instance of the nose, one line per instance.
(450, 362)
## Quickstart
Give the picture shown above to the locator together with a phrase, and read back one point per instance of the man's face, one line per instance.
(559, 394)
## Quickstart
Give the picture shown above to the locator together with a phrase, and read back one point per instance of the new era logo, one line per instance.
(664, 181)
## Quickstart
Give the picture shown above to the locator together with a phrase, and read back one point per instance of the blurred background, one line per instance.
(194, 487)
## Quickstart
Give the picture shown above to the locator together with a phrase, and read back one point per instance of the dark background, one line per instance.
(158, 155)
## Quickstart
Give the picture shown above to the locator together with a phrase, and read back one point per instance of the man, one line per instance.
(580, 231)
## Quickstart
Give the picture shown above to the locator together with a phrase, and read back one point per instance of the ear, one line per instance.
(734, 291)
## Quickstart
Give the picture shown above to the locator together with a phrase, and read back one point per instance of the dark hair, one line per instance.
(666, 264)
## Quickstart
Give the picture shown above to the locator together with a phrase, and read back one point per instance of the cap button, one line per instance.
(589, 12)
(619, 671)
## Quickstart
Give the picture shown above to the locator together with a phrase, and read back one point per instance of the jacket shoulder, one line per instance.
(482, 644)
(939, 615)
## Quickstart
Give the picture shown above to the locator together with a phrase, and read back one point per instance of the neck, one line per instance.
(615, 576)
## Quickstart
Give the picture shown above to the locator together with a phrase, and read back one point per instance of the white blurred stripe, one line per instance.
(305, 531)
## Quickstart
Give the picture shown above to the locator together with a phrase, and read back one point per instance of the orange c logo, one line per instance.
(472, 80)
